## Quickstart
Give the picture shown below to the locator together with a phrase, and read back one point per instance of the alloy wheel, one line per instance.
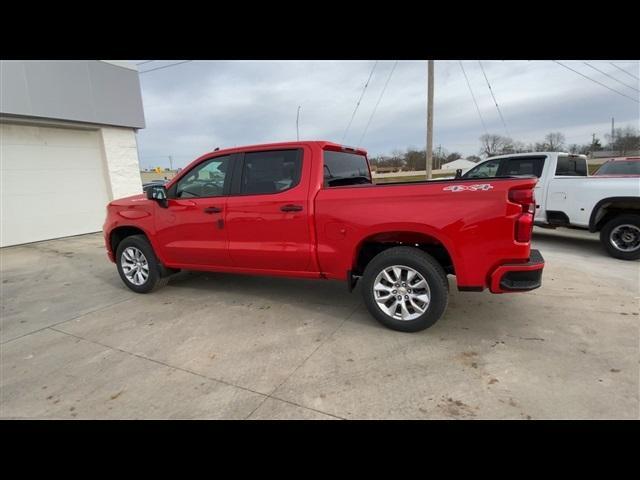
(401, 292)
(134, 265)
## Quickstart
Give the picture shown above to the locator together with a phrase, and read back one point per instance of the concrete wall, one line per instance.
(88, 91)
(121, 161)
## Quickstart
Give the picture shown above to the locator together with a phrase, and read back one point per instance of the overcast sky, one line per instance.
(194, 107)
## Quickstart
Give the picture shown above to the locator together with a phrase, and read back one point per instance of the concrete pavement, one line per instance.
(76, 343)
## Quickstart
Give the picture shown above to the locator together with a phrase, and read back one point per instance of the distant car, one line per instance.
(153, 183)
(620, 167)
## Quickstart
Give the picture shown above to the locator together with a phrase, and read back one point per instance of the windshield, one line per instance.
(620, 167)
(342, 168)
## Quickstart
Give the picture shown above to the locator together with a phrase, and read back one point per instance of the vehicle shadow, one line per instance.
(264, 289)
(568, 242)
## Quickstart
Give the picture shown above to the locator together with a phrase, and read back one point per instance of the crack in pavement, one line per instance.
(224, 382)
(301, 364)
(67, 320)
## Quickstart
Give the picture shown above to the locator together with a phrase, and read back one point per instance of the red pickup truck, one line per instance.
(310, 210)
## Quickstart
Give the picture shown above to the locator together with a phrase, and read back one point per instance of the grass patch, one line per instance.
(410, 178)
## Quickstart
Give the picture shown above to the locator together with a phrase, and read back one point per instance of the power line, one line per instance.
(624, 71)
(474, 98)
(613, 78)
(494, 99)
(595, 81)
(358, 103)
(377, 103)
(165, 66)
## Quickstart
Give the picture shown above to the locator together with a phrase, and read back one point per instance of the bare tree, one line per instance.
(414, 159)
(493, 144)
(520, 147)
(554, 141)
(624, 140)
(451, 157)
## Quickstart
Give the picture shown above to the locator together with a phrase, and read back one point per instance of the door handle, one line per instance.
(212, 210)
(291, 208)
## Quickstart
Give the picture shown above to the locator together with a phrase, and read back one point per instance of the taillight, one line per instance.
(525, 197)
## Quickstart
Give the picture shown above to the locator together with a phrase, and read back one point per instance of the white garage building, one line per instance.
(464, 165)
(67, 145)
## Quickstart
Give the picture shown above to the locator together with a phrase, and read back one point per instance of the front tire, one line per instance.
(138, 266)
(405, 289)
(620, 236)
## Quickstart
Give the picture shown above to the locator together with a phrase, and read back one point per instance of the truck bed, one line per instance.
(473, 220)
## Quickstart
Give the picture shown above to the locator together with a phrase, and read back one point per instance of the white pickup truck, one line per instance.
(566, 196)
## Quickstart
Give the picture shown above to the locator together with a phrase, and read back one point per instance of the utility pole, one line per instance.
(297, 123)
(429, 117)
(612, 133)
(170, 163)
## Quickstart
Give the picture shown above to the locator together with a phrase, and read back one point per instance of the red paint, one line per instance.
(482, 228)
(601, 172)
(496, 276)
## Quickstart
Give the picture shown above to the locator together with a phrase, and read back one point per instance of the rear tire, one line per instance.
(405, 289)
(138, 266)
(620, 236)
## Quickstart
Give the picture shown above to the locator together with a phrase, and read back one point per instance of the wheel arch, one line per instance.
(374, 242)
(609, 207)
(119, 233)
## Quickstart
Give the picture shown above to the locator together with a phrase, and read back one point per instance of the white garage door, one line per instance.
(52, 183)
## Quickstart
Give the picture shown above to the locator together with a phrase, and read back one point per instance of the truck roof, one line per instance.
(528, 154)
(291, 144)
(624, 159)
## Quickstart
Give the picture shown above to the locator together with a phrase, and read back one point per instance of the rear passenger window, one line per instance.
(345, 168)
(270, 172)
(571, 167)
(524, 166)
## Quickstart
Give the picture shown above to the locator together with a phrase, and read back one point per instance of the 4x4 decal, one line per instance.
(473, 188)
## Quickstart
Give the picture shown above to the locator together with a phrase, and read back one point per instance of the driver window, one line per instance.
(487, 169)
(205, 180)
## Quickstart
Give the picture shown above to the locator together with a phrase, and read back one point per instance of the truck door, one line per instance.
(190, 231)
(267, 216)
(564, 185)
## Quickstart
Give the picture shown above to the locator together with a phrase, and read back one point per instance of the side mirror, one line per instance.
(459, 173)
(158, 193)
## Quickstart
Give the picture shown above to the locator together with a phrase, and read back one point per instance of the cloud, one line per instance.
(194, 107)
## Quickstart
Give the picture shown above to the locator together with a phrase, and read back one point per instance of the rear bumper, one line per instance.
(518, 277)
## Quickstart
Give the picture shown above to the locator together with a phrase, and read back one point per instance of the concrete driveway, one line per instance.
(75, 343)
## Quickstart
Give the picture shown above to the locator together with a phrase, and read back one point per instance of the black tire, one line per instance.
(609, 228)
(426, 266)
(155, 277)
